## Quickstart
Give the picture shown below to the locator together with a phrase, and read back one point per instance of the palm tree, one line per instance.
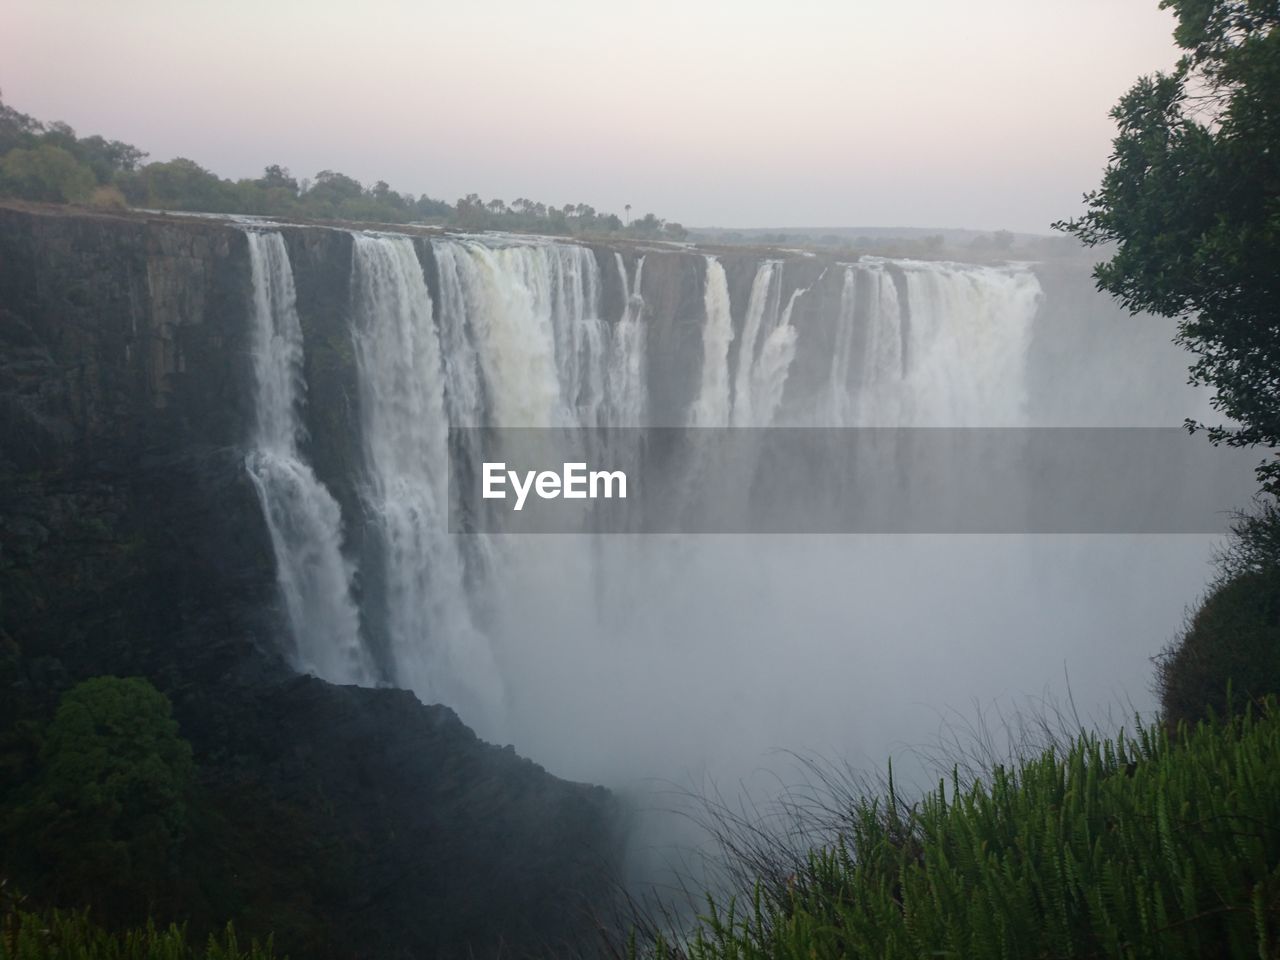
(628, 209)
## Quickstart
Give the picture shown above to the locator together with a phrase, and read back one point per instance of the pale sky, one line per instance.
(929, 113)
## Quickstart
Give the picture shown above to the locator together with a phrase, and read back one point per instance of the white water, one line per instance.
(971, 372)
(532, 313)
(764, 300)
(303, 519)
(713, 406)
(434, 645)
(614, 658)
(839, 408)
(955, 357)
(628, 393)
(672, 656)
(773, 366)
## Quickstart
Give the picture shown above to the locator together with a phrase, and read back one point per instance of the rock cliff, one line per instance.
(350, 821)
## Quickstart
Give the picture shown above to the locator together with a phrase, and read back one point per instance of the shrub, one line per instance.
(1233, 639)
(46, 173)
(102, 820)
(107, 198)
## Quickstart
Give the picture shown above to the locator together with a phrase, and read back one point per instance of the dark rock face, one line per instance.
(419, 839)
(352, 822)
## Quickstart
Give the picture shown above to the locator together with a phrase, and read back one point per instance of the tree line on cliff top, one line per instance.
(49, 162)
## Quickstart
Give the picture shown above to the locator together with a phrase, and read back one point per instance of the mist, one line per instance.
(634, 658)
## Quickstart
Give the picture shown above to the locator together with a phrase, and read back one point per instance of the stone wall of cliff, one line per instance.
(349, 821)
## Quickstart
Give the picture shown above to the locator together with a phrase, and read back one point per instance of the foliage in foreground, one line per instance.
(1141, 847)
(72, 936)
(1191, 197)
(1232, 641)
(101, 819)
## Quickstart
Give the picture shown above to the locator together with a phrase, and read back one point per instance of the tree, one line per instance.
(46, 173)
(179, 184)
(425, 206)
(108, 808)
(332, 192)
(1191, 198)
(16, 129)
(647, 226)
(276, 177)
(469, 212)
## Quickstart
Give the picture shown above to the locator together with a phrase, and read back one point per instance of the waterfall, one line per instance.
(942, 345)
(627, 401)
(302, 518)
(619, 657)
(565, 645)
(838, 406)
(533, 316)
(970, 328)
(773, 366)
(764, 355)
(434, 645)
(712, 407)
(764, 294)
(517, 337)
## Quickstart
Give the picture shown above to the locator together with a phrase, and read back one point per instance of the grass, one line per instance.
(58, 935)
(1144, 846)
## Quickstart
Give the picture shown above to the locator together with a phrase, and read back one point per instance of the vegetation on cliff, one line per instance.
(48, 162)
(1230, 648)
(103, 818)
(56, 935)
(1152, 845)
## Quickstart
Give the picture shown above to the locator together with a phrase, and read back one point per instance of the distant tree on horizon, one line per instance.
(48, 162)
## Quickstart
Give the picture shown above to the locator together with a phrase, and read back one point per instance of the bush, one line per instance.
(1233, 639)
(107, 198)
(46, 173)
(102, 820)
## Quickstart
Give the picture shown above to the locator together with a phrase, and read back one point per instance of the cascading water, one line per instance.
(303, 519)
(713, 405)
(839, 409)
(532, 313)
(764, 353)
(434, 646)
(627, 399)
(610, 657)
(764, 301)
(772, 367)
(969, 373)
(952, 354)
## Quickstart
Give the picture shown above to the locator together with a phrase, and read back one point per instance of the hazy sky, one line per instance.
(986, 113)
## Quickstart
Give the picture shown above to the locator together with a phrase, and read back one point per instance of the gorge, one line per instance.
(225, 465)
